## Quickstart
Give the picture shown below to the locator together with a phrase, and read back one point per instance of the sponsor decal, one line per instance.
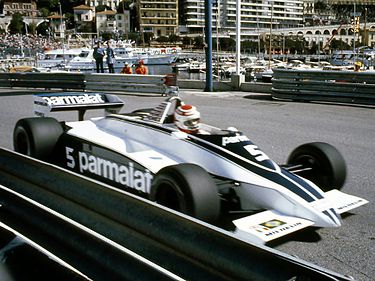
(126, 175)
(273, 223)
(73, 99)
(274, 227)
(351, 204)
(234, 139)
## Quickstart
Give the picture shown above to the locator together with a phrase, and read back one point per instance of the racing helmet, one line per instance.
(187, 118)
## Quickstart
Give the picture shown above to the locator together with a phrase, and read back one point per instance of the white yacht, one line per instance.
(57, 57)
(85, 61)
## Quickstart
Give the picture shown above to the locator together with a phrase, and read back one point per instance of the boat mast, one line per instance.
(62, 32)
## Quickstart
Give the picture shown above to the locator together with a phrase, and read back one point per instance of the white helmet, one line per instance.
(187, 118)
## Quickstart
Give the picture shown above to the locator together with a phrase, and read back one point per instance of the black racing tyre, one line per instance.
(36, 137)
(189, 189)
(328, 168)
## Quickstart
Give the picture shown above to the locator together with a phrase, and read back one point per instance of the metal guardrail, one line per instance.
(324, 85)
(159, 84)
(110, 235)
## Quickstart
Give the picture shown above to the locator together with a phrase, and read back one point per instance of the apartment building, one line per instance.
(24, 7)
(351, 2)
(159, 17)
(256, 16)
(112, 4)
(112, 22)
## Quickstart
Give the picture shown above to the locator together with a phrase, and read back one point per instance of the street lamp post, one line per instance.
(208, 45)
(270, 46)
(238, 36)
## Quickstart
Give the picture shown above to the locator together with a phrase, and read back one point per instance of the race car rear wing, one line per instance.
(67, 101)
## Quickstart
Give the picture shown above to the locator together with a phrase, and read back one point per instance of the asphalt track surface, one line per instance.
(277, 127)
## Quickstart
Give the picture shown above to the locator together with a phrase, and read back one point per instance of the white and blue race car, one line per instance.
(207, 176)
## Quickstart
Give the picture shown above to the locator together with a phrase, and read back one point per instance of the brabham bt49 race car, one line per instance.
(205, 175)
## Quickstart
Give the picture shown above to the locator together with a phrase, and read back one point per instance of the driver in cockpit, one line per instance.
(187, 118)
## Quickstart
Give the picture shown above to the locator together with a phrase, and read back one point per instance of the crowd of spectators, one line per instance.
(13, 45)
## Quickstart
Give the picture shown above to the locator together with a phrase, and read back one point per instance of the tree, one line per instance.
(227, 44)
(101, 8)
(320, 7)
(44, 12)
(16, 24)
(48, 4)
(338, 44)
(249, 46)
(124, 5)
(186, 41)
(162, 39)
(198, 42)
(173, 38)
(147, 37)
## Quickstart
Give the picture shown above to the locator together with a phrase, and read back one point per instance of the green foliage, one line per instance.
(187, 41)
(320, 6)
(16, 25)
(101, 8)
(44, 12)
(249, 46)
(106, 36)
(147, 37)
(173, 38)
(124, 5)
(338, 44)
(48, 4)
(227, 44)
(198, 42)
(162, 39)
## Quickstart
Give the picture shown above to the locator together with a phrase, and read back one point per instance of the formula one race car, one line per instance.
(206, 175)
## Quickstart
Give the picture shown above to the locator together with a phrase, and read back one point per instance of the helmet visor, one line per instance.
(193, 123)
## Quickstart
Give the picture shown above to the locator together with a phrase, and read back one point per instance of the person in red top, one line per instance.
(126, 69)
(141, 68)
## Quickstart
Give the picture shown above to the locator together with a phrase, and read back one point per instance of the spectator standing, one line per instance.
(98, 56)
(126, 69)
(110, 57)
(141, 68)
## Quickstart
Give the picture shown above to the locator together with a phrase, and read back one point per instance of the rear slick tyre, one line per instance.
(36, 137)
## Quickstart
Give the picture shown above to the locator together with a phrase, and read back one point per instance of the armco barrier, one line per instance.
(110, 235)
(159, 84)
(324, 85)
(65, 81)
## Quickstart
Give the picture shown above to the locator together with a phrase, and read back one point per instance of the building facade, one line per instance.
(24, 7)
(112, 4)
(256, 15)
(159, 17)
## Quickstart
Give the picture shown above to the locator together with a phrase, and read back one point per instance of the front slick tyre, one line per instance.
(327, 166)
(36, 137)
(189, 189)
